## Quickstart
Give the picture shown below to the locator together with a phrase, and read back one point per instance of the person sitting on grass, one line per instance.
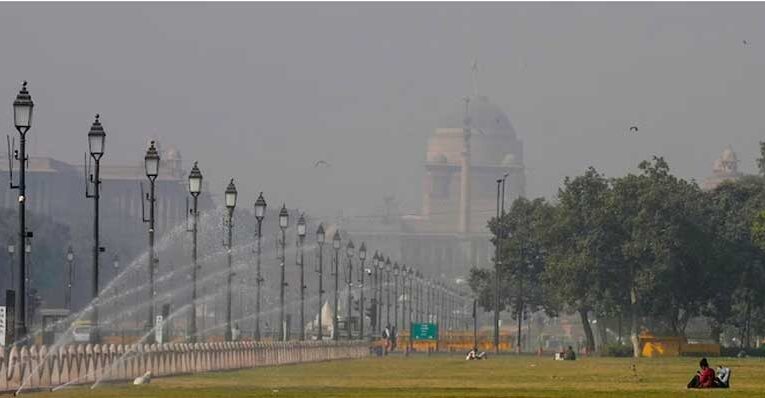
(569, 355)
(474, 354)
(704, 378)
(723, 377)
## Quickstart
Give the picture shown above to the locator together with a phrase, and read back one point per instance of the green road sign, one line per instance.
(424, 331)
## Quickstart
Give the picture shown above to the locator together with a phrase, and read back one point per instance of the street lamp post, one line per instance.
(260, 213)
(428, 292)
(378, 293)
(387, 291)
(362, 257)
(69, 278)
(22, 120)
(230, 197)
(442, 322)
(497, 265)
(349, 252)
(418, 288)
(395, 295)
(411, 299)
(320, 241)
(439, 305)
(404, 297)
(336, 246)
(151, 164)
(195, 188)
(283, 223)
(96, 146)
(411, 306)
(301, 238)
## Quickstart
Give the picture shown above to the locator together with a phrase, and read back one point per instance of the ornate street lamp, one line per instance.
(411, 296)
(404, 297)
(22, 119)
(283, 224)
(428, 292)
(420, 303)
(230, 198)
(349, 252)
(410, 274)
(195, 188)
(260, 213)
(151, 166)
(96, 145)
(388, 270)
(379, 263)
(301, 238)
(395, 295)
(362, 257)
(336, 246)
(320, 237)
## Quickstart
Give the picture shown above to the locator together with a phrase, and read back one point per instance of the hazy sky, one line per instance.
(260, 92)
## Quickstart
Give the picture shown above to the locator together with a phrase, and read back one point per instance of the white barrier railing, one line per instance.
(40, 367)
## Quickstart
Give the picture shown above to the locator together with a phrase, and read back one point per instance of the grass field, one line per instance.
(450, 376)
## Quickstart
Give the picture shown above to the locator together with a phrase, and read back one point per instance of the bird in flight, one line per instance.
(321, 163)
(744, 42)
(634, 129)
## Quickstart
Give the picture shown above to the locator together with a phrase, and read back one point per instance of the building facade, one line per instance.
(472, 147)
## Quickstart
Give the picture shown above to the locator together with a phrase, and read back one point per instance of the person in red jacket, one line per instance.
(705, 378)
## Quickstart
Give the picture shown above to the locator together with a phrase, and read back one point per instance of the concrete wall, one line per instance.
(43, 367)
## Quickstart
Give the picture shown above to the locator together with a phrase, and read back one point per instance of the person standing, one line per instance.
(386, 337)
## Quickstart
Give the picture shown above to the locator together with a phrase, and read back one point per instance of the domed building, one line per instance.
(725, 168)
(472, 147)
(494, 149)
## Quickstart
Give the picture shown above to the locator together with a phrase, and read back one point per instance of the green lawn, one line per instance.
(450, 376)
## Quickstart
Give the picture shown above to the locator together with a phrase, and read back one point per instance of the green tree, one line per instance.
(665, 251)
(738, 207)
(578, 244)
(761, 159)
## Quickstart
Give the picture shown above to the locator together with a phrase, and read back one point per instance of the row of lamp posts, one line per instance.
(22, 110)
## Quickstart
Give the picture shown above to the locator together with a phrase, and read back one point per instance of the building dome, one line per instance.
(728, 155)
(485, 117)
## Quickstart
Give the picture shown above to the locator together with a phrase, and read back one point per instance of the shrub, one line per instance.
(750, 352)
(617, 350)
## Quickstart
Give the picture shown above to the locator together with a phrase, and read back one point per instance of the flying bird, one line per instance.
(321, 163)
(634, 129)
(744, 42)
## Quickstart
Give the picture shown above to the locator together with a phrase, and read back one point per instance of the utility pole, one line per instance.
(498, 250)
